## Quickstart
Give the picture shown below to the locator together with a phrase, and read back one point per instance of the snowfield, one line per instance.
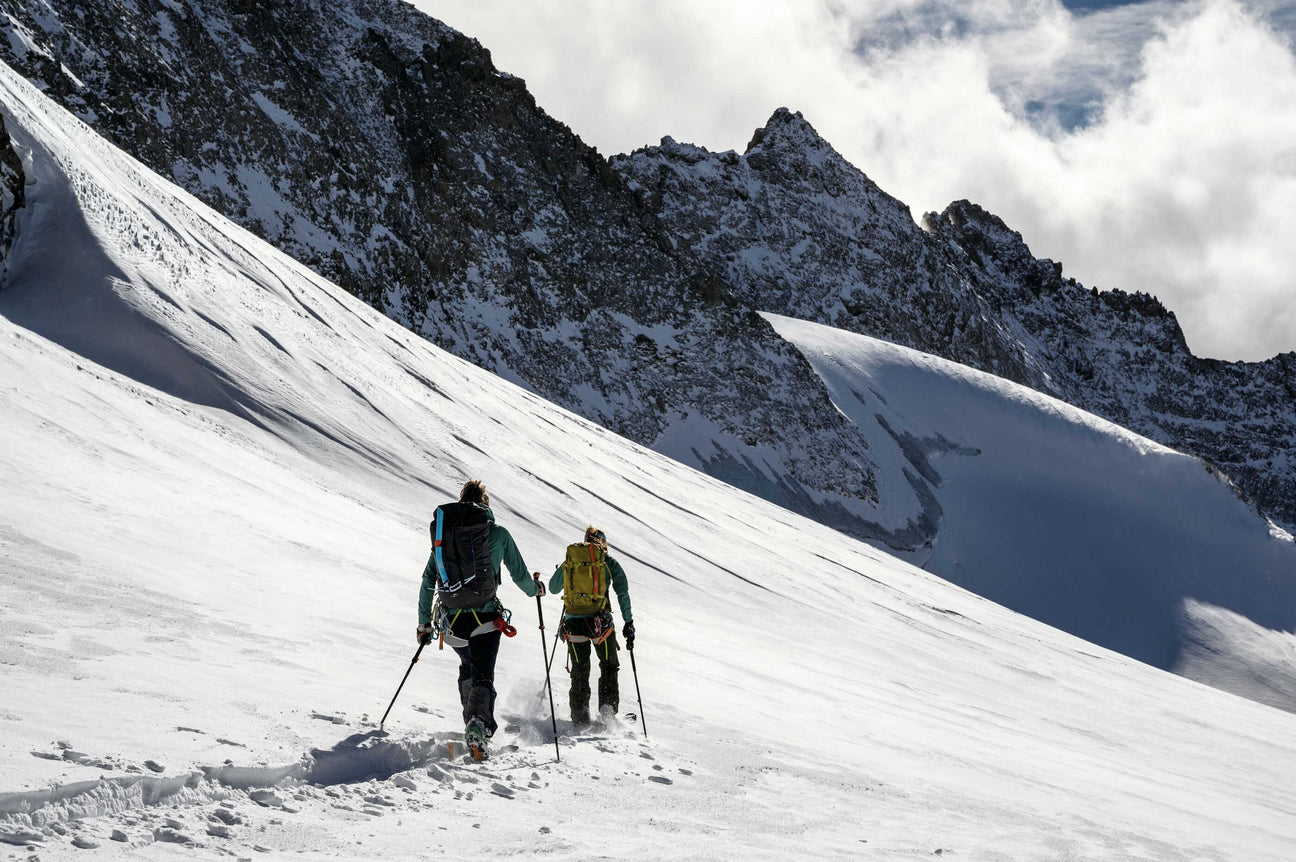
(1069, 519)
(218, 471)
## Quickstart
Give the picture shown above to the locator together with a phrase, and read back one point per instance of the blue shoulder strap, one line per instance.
(436, 544)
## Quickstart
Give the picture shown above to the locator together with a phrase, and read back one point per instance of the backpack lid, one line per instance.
(456, 513)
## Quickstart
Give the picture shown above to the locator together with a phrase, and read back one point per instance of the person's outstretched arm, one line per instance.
(621, 587)
(511, 557)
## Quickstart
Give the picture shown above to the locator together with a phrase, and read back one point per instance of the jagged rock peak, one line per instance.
(690, 153)
(982, 233)
(999, 248)
(963, 215)
(787, 129)
(787, 145)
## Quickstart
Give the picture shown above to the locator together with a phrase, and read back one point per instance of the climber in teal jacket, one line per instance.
(474, 629)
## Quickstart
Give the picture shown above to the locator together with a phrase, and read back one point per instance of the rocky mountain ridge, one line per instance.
(801, 232)
(384, 150)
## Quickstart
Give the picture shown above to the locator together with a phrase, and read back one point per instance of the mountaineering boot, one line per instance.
(609, 692)
(475, 739)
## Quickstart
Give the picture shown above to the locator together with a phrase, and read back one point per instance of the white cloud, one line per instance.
(1187, 189)
(1183, 184)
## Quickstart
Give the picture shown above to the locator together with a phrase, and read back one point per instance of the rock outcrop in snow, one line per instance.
(12, 194)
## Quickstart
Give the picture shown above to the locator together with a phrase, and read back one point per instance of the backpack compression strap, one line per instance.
(594, 568)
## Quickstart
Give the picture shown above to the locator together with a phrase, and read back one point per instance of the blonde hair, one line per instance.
(474, 491)
(595, 534)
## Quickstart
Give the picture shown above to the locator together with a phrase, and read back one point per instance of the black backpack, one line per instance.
(461, 545)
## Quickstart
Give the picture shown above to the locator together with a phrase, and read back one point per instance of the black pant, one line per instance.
(477, 669)
(609, 693)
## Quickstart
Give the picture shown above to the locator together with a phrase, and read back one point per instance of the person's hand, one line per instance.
(628, 633)
(424, 634)
(540, 587)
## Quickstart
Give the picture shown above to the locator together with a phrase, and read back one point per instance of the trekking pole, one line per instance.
(630, 648)
(548, 664)
(553, 717)
(557, 637)
(550, 654)
(413, 662)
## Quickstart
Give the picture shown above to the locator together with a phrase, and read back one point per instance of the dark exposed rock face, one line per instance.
(801, 232)
(13, 181)
(384, 150)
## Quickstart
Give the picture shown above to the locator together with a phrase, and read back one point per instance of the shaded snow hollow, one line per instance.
(218, 470)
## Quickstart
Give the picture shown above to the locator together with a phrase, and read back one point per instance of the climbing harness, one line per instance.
(443, 621)
(603, 629)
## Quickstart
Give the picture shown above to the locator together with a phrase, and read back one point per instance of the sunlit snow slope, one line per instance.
(217, 472)
(1072, 520)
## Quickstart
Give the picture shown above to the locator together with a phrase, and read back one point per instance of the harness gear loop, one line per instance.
(443, 624)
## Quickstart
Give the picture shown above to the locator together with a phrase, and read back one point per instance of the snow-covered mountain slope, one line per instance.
(384, 150)
(1070, 519)
(217, 471)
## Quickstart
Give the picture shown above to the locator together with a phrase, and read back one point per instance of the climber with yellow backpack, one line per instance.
(583, 579)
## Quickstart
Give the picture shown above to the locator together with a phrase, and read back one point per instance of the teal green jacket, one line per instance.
(620, 585)
(502, 550)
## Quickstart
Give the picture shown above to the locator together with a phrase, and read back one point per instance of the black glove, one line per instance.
(424, 634)
(627, 632)
(540, 588)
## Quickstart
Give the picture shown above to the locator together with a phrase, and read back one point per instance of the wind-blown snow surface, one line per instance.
(217, 471)
(1071, 520)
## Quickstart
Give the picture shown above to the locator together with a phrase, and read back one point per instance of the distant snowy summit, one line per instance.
(384, 150)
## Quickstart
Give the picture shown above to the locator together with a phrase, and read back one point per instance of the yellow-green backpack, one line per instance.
(585, 579)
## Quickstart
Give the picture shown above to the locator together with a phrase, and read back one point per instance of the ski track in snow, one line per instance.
(210, 543)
